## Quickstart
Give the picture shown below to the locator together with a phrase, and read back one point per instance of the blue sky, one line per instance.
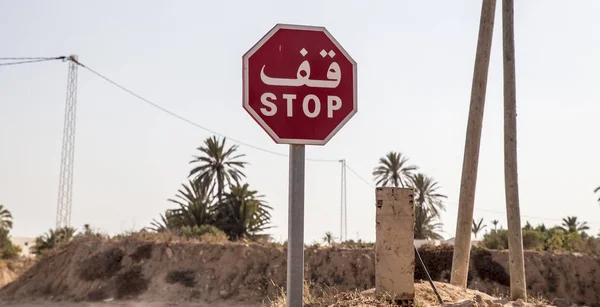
(415, 69)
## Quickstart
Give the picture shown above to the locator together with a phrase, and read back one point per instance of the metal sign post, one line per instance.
(299, 85)
(295, 248)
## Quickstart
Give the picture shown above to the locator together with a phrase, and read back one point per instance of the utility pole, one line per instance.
(343, 203)
(518, 289)
(65, 183)
(462, 245)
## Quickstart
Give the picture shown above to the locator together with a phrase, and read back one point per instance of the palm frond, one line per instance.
(393, 169)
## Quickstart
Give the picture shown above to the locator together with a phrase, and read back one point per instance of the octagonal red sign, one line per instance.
(299, 84)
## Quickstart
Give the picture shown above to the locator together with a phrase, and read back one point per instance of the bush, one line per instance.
(7, 249)
(573, 242)
(198, 232)
(553, 240)
(487, 268)
(52, 239)
(357, 244)
(10, 251)
(496, 239)
(437, 260)
(593, 245)
(533, 239)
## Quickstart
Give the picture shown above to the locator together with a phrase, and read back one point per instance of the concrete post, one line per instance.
(466, 199)
(394, 249)
(518, 287)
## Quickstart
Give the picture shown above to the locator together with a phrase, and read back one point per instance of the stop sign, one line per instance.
(299, 84)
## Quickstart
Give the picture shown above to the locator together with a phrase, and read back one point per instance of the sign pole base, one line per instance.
(295, 246)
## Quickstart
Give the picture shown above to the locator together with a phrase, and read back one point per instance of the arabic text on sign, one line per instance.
(334, 76)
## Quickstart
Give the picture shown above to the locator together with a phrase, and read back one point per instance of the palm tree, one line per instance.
(217, 165)
(596, 191)
(426, 194)
(52, 238)
(393, 170)
(242, 213)
(195, 209)
(427, 228)
(570, 224)
(195, 206)
(428, 203)
(166, 222)
(495, 222)
(477, 227)
(6, 219)
(328, 238)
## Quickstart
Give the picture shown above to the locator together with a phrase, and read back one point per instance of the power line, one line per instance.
(28, 60)
(454, 204)
(528, 216)
(165, 110)
(359, 177)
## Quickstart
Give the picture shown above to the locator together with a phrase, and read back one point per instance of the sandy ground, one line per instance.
(123, 304)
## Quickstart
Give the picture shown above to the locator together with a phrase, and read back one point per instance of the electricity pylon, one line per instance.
(65, 183)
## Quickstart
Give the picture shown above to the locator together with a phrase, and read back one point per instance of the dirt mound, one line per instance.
(92, 269)
(424, 295)
(95, 270)
(11, 269)
(6, 275)
(563, 279)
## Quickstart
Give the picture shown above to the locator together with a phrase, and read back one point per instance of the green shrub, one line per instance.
(541, 238)
(52, 238)
(574, 242)
(7, 249)
(496, 239)
(533, 239)
(198, 231)
(555, 242)
(592, 245)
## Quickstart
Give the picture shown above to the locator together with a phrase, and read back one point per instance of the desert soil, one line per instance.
(138, 272)
(121, 304)
(424, 296)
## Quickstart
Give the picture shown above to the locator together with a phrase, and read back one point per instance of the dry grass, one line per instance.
(171, 237)
(280, 300)
(424, 296)
(314, 297)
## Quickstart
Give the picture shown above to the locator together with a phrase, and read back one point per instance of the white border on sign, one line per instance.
(258, 119)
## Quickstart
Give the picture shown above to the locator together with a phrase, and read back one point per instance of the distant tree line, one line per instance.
(216, 200)
(570, 236)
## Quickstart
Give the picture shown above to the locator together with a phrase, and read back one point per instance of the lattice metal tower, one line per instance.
(65, 184)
